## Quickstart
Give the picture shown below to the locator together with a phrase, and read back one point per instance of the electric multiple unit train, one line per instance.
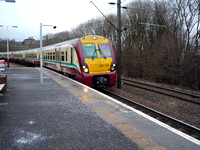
(89, 60)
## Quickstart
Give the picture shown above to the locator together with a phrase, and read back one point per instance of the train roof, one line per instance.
(47, 47)
(61, 43)
(83, 39)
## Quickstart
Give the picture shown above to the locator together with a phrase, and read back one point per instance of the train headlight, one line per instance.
(85, 67)
(113, 66)
(86, 70)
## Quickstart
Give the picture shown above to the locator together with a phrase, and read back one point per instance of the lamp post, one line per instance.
(10, 1)
(41, 55)
(8, 42)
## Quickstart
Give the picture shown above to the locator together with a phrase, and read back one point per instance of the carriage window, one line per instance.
(62, 56)
(89, 50)
(50, 56)
(66, 56)
(34, 55)
(53, 55)
(104, 50)
(44, 55)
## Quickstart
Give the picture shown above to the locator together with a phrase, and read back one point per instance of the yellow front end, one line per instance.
(99, 65)
(97, 53)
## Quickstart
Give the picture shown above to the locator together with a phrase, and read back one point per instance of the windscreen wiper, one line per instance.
(102, 53)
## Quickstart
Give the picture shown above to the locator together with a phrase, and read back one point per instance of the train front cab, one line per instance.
(98, 68)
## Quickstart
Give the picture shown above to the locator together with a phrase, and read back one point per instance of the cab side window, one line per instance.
(72, 53)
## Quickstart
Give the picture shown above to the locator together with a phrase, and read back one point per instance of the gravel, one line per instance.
(184, 111)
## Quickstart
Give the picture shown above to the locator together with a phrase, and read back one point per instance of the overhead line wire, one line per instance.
(104, 16)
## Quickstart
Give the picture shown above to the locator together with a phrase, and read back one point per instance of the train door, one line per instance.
(58, 58)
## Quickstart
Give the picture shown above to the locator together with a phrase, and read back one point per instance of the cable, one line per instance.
(104, 16)
(110, 8)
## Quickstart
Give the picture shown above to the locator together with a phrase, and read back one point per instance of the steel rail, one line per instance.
(162, 92)
(189, 129)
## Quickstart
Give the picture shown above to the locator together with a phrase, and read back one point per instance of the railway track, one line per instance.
(182, 95)
(180, 125)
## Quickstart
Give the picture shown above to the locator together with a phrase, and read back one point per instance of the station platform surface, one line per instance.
(63, 114)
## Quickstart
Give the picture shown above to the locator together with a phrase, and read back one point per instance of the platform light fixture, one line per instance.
(9, 1)
(41, 55)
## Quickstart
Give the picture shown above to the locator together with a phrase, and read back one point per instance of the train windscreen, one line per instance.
(89, 50)
(104, 50)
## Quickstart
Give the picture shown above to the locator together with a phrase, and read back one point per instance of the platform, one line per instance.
(63, 114)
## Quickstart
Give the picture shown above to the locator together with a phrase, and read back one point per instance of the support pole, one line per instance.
(119, 44)
(7, 48)
(41, 59)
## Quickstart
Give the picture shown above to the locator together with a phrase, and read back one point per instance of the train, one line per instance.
(89, 59)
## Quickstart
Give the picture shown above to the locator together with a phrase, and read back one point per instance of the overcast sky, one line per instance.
(65, 14)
